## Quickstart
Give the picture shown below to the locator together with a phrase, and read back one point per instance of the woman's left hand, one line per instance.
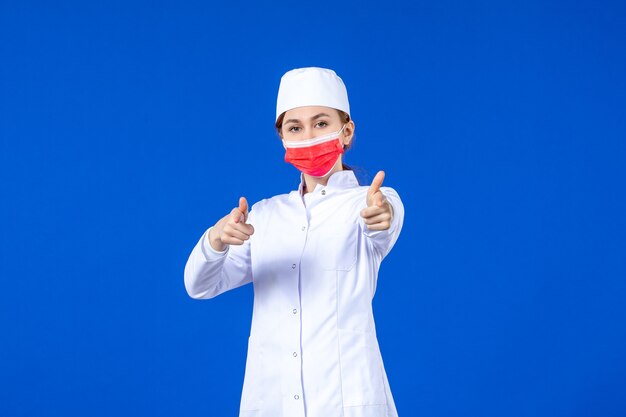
(378, 213)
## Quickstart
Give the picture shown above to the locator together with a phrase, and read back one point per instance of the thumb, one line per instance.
(243, 209)
(240, 213)
(379, 199)
(375, 187)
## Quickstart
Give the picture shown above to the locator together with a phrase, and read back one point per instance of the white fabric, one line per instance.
(312, 350)
(311, 86)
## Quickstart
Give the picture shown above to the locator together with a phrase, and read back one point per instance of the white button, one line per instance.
(323, 192)
(295, 311)
(303, 228)
(295, 354)
(296, 396)
(293, 266)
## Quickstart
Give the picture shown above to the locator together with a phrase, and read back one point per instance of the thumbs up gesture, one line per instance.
(232, 229)
(378, 213)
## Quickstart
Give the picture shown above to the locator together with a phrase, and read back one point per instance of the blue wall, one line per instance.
(127, 128)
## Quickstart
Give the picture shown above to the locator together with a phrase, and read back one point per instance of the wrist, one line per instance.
(215, 241)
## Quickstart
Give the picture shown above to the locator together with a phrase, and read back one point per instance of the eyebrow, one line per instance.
(317, 116)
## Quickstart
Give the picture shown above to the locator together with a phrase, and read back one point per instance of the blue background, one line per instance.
(127, 128)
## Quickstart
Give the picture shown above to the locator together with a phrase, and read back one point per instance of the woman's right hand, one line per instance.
(231, 229)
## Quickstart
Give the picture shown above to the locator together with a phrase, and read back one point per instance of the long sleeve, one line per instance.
(209, 273)
(383, 240)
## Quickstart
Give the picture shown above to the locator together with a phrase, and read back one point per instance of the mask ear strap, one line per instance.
(340, 138)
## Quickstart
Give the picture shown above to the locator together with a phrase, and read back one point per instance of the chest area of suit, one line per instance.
(323, 235)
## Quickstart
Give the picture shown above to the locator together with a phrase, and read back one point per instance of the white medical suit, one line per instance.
(312, 350)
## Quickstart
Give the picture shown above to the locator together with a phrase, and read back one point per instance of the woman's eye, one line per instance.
(294, 129)
(321, 124)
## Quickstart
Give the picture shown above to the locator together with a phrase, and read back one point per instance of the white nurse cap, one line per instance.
(311, 87)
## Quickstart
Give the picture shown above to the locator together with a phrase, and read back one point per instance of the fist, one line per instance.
(378, 213)
(232, 229)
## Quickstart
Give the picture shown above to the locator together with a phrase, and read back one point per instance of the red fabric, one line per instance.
(316, 160)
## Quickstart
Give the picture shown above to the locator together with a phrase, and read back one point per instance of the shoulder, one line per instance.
(361, 191)
(389, 191)
(394, 198)
(270, 203)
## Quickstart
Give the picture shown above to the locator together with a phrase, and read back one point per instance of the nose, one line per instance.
(312, 133)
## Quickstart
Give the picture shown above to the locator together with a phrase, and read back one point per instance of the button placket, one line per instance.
(294, 359)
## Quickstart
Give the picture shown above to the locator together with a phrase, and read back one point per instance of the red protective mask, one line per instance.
(315, 157)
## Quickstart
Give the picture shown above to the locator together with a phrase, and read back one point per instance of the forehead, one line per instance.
(307, 112)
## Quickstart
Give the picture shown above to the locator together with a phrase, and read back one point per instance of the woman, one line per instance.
(313, 256)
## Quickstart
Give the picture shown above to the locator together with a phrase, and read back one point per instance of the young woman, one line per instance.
(313, 256)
